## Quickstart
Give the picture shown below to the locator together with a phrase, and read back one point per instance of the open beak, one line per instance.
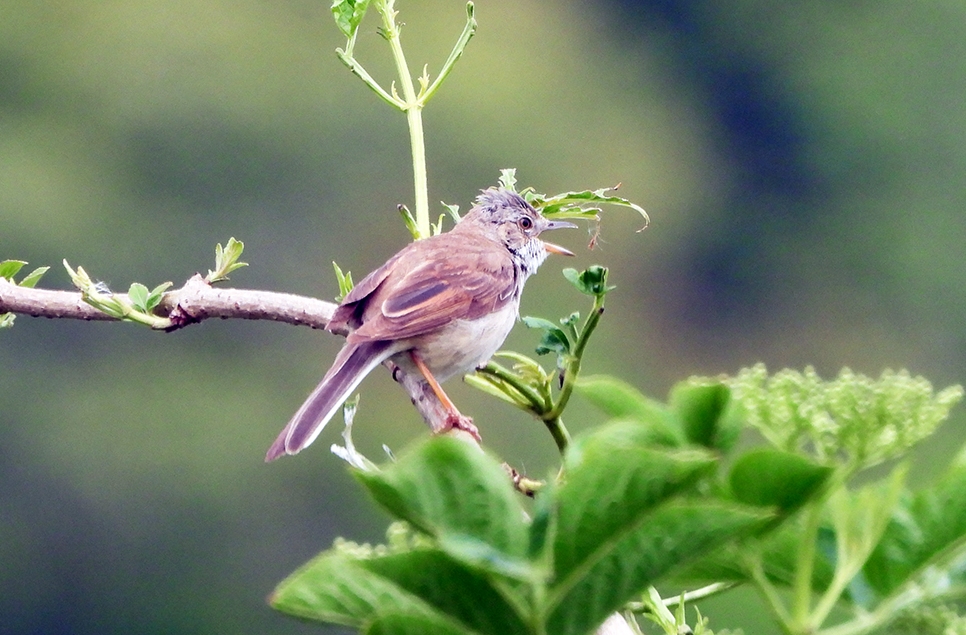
(557, 249)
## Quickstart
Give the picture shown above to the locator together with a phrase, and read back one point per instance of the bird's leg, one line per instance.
(454, 419)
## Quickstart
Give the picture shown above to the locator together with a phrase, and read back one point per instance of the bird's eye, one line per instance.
(526, 222)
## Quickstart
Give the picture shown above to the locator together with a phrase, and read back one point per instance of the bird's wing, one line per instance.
(425, 293)
(348, 312)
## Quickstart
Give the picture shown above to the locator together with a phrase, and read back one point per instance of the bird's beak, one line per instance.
(557, 249)
(559, 224)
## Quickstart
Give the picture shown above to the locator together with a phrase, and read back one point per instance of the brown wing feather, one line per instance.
(426, 290)
(348, 313)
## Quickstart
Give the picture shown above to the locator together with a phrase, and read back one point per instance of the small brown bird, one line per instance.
(441, 306)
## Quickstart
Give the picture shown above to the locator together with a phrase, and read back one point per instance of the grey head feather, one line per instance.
(491, 200)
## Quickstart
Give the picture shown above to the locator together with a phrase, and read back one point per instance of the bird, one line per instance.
(441, 306)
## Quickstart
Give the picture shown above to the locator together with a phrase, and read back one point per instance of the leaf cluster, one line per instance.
(8, 271)
(662, 494)
(629, 508)
(526, 384)
(584, 204)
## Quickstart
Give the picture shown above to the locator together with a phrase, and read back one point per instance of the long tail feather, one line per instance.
(350, 367)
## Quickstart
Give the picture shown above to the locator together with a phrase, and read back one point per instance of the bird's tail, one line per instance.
(351, 365)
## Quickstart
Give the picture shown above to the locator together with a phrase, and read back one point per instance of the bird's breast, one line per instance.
(463, 345)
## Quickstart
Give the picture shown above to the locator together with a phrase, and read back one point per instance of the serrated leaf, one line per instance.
(508, 179)
(334, 588)
(446, 486)
(622, 520)
(767, 477)
(658, 542)
(620, 400)
(611, 478)
(31, 279)
(574, 204)
(10, 268)
(348, 15)
(466, 596)
(704, 409)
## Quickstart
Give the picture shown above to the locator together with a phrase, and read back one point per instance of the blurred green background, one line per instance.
(804, 166)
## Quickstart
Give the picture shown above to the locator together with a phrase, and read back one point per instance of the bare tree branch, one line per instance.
(197, 301)
(194, 302)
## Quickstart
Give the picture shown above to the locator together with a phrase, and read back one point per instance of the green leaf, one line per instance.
(344, 281)
(768, 477)
(591, 281)
(10, 268)
(627, 562)
(446, 486)
(226, 260)
(623, 520)
(410, 221)
(31, 279)
(335, 588)
(408, 624)
(157, 293)
(348, 15)
(508, 179)
(451, 588)
(703, 407)
(611, 479)
(554, 338)
(6, 320)
(138, 294)
(780, 555)
(580, 204)
(484, 557)
(620, 400)
(926, 528)
(453, 211)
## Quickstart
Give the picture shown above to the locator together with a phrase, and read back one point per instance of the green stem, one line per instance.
(552, 419)
(420, 180)
(573, 365)
(361, 73)
(768, 591)
(831, 596)
(537, 405)
(700, 594)
(457, 51)
(414, 116)
(559, 433)
(802, 584)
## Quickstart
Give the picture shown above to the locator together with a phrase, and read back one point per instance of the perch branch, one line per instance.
(197, 301)
(194, 302)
